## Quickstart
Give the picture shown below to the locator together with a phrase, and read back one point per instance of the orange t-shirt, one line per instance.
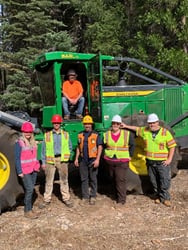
(73, 90)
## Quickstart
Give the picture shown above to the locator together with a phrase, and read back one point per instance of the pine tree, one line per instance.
(159, 35)
(27, 29)
(97, 25)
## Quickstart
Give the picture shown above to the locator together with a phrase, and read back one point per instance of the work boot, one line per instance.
(44, 204)
(167, 203)
(36, 213)
(30, 215)
(157, 201)
(66, 117)
(68, 203)
(120, 206)
(79, 116)
(92, 201)
(84, 202)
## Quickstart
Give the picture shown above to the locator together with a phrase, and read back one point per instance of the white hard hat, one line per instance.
(152, 118)
(117, 118)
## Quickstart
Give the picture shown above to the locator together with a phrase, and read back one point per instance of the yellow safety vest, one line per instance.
(65, 151)
(157, 148)
(120, 149)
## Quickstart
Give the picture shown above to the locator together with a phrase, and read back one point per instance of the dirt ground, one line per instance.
(141, 224)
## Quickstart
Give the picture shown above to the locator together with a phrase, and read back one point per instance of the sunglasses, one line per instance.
(151, 123)
(116, 123)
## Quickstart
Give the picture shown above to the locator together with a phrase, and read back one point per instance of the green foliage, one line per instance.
(17, 95)
(27, 29)
(103, 25)
(175, 61)
(60, 41)
(161, 35)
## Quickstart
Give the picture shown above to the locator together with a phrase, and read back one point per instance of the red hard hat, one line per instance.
(56, 119)
(27, 127)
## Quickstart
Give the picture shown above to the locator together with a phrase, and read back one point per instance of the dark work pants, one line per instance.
(118, 171)
(160, 177)
(88, 176)
(29, 181)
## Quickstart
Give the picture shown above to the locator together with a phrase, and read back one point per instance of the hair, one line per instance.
(31, 142)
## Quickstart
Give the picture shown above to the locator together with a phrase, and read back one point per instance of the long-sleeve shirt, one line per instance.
(17, 153)
(57, 146)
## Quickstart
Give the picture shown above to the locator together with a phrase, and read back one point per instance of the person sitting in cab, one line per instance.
(72, 92)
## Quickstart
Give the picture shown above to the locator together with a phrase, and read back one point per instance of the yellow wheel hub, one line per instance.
(4, 170)
(138, 162)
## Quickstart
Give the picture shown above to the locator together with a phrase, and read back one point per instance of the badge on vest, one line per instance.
(161, 146)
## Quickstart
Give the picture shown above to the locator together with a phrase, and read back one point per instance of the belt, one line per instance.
(59, 155)
(153, 162)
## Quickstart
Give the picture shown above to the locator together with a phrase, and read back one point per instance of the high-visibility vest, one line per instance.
(120, 149)
(92, 144)
(29, 162)
(65, 151)
(157, 148)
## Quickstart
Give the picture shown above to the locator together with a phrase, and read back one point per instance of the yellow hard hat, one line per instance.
(87, 119)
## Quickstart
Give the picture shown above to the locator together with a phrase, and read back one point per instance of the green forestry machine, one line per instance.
(112, 85)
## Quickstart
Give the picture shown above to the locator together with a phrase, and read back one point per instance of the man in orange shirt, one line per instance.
(72, 91)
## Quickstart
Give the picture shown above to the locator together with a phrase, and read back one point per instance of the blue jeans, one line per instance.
(160, 177)
(29, 181)
(80, 106)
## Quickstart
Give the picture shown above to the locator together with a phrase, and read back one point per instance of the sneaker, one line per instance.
(30, 215)
(167, 203)
(68, 203)
(92, 201)
(79, 116)
(44, 204)
(157, 201)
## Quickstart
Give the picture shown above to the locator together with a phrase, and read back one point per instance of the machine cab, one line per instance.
(51, 71)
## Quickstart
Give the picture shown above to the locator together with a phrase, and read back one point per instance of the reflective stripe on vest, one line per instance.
(65, 151)
(120, 149)
(157, 148)
(157, 156)
(28, 158)
(92, 144)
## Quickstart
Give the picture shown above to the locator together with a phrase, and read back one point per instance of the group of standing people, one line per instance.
(117, 147)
